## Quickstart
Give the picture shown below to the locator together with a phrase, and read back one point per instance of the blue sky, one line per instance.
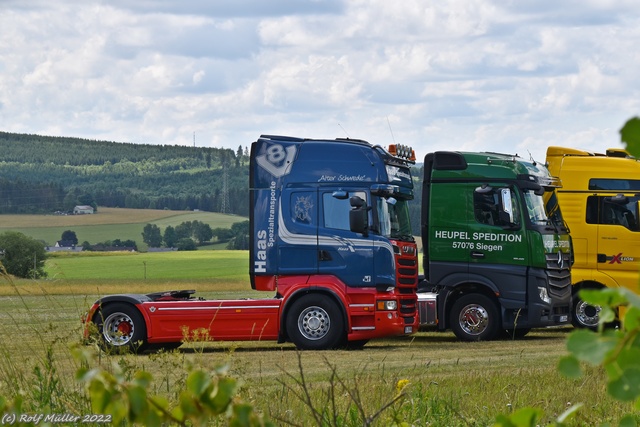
(507, 76)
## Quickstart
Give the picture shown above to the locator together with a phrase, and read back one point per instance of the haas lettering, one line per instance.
(260, 263)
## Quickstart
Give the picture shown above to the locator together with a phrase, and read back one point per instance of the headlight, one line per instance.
(544, 296)
(387, 305)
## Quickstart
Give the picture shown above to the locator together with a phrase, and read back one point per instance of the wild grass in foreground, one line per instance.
(428, 378)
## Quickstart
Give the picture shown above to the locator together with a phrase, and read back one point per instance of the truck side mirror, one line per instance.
(359, 216)
(356, 202)
(507, 208)
(506, 214)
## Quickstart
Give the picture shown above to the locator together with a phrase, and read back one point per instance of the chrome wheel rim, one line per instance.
(587, 314)
(473, 319)
(118, 329)
(314, 323)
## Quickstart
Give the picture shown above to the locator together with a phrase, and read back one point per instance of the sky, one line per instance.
(510, 76)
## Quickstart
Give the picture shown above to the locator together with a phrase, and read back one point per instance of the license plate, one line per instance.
(408, 329)
(564, 318)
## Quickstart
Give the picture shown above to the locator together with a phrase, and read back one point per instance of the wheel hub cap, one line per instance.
(314, 323)
(118, 329)
(474, 319)
(587, 314)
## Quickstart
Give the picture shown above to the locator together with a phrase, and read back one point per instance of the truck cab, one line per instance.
(331, 221)
(600, 197)
(497, 254)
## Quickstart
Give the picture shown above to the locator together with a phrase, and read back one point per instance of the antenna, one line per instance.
(344, 130)
(391, 130)
(194, 139)
(225, 189)
(531, 158)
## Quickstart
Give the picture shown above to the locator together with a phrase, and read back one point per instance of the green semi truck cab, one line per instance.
(496, 251)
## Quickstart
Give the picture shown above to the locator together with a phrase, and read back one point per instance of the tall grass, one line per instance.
(35, 362)
(448, 383)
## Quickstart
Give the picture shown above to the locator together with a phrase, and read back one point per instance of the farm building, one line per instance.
(64, 245)
(82, 209)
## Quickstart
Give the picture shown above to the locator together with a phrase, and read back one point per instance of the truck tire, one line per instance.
(314, 322)
(475, 317)
(121, 327)
(585, 315)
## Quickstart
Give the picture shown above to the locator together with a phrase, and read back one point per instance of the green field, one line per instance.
(209, 272)
(108, 224)
(220, 266)
(450, 382)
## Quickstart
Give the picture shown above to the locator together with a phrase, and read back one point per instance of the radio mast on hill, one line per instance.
(225, 159)
(225, 189)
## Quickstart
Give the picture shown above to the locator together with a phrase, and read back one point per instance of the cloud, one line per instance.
(233, 8)
(485, 75)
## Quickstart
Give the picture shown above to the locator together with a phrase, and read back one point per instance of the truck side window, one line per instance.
(600, 210)
(485, 207)
(592, 210)
(336, 211)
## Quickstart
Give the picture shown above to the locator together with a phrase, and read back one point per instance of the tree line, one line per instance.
(40, 174)
(189, 234)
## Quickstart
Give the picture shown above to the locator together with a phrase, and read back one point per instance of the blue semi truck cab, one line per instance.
(330, 221)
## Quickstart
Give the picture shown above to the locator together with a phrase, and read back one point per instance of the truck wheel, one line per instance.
(585, 315)
(314, 322)
(121, 326)
(475, 317)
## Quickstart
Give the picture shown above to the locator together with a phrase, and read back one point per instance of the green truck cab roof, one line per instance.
(488, 165)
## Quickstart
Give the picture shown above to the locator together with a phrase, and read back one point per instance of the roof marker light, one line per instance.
(402, 151)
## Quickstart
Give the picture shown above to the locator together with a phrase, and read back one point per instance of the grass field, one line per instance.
(210, 272)
(218, 266)
(450, 382)
(108, 224)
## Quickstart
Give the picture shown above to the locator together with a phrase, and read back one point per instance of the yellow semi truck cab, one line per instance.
(600, 201)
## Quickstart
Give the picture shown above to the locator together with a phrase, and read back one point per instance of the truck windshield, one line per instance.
(553, 208)
(535, 207)
(393, 218)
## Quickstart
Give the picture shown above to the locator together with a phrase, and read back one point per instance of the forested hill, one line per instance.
(43, 174)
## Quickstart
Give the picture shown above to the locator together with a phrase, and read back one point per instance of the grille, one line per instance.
(407, 284)
(559, 274)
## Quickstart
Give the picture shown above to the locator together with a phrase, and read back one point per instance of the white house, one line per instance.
(64, 245)
(82, 209)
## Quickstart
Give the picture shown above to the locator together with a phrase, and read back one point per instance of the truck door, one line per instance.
(499, 249)
(447, 215)
(618, 252)
(298, 232)
(342, 252)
